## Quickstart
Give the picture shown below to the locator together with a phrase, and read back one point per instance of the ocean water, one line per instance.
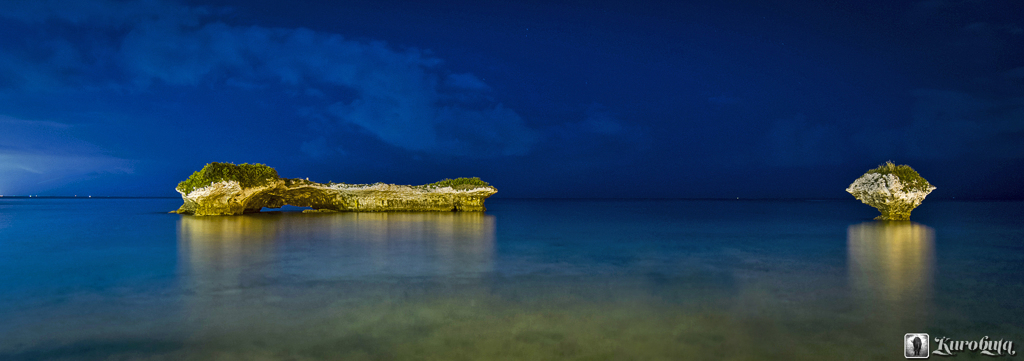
(121, 279)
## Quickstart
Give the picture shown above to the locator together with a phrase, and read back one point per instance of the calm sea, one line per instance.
(121, 279)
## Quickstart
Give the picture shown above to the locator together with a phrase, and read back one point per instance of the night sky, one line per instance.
(594, 99)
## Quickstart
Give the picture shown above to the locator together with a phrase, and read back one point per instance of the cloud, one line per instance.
(404, 97)
(945, 125)
(798, 142)
(1015, 74)
(601, 121)
(109, 13)
(45, 154)
(466, 82)
(599, 140)
(949, 124)
(977, 113)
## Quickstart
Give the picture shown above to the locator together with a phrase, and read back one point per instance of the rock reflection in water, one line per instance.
(890, 268)
(267, 277)
(219, 250)
(344, 245)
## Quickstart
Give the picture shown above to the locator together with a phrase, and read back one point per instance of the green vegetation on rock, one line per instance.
(894, 190)
(908, 176)
(259, 186)
(459, 183)
(247, 175)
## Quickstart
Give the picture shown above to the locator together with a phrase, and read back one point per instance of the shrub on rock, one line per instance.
(894, 190)
(247, 175)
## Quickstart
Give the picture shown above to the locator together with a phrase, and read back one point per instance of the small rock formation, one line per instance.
(894, 190)
(228, 189)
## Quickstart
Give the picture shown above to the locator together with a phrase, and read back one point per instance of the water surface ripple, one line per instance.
(101, 279)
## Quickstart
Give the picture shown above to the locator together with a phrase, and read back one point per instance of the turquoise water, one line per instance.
(120, 279)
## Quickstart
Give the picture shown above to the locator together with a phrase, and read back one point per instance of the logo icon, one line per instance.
(915, 345)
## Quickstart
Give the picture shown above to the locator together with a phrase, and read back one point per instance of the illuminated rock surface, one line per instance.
(230, 193)
(893, 190)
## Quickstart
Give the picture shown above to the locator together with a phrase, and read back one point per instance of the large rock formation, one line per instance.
(893, 190)
(224, 189)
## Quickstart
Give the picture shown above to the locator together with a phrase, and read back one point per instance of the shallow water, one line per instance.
(97, 279)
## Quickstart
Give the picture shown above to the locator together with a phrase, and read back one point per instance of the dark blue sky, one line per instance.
(753, 99)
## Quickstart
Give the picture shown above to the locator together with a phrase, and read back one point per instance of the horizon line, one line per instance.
(552, 198)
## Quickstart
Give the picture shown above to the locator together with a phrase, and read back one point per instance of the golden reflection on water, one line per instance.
(409, 286)
(267, 275)
(450, 242)
(357, 243)
(216, 248)
(891, 260)
(890, 269)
